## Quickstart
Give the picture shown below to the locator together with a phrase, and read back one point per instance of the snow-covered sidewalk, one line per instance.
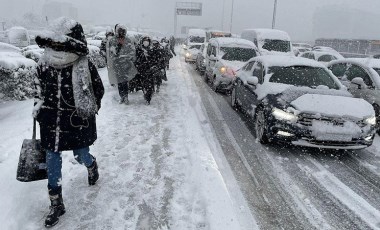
(156, 164)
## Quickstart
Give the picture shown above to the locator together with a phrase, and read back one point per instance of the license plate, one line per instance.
(334, 137)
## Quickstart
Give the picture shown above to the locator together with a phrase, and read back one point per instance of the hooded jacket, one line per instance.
(122, 56)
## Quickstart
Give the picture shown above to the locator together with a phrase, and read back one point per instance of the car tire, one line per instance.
(261, 126)
(205, 77)
(234, 102)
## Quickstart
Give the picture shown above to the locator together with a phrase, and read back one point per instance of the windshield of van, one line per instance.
(237, 54)
(276, 45)
(197, 39)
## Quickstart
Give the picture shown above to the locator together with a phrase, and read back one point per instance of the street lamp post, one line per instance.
(274, 14)
(232, 14)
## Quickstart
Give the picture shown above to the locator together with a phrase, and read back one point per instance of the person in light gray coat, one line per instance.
(122, 54)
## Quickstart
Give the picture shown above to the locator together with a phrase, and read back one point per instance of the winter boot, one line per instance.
(121, 101)
(93, 174)
(57, 209)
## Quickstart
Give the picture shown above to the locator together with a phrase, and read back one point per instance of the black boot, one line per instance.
(57, 209)
(93, 174)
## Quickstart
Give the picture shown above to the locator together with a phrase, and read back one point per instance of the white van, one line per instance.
(195, 36)
(18, 36)
(269, 41)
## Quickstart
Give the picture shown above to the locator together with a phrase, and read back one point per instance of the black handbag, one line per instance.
(32, 161)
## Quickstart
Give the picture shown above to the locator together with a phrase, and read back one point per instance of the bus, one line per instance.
(351, 47)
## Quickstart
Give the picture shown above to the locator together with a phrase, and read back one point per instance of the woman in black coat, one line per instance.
(69, 92)
(146, 66)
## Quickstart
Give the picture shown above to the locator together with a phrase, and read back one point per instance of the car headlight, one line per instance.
(282, 115)
(370, 120)
(188, 54)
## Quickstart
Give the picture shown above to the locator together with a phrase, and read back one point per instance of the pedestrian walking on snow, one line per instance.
(68, 97)
(159, 61)
(147, 67)
(122, 54)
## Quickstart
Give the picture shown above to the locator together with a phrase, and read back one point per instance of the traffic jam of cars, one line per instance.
(293, 93)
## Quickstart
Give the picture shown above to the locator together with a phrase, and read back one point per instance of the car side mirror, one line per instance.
(253, 80)
(358, 83)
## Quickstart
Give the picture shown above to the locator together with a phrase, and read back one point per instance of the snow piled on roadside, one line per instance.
(156, 169)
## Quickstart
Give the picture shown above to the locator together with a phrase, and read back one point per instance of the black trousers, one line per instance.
(148, 86)
(123, 89)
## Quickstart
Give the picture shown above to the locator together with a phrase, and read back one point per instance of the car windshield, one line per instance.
(195, 47)
(302, 76)
(276, 45)
(237, 54)
(197, 39)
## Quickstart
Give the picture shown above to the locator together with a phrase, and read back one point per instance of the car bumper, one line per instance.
(299, 135)
(224, 82)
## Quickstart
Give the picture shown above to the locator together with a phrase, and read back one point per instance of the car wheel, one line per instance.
(234, 102)
(205, 77)
(261, 126)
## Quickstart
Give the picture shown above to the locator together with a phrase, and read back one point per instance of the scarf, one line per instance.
(84, 97)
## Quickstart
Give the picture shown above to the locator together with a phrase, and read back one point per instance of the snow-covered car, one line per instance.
(362, 78)
(201, 59)
(18, 36)
(99, 36)
(298, 101)
(224, 57)
(33, 52)
(94, 42)
(96, 57)
(269, 41)
(322, 56)
(16, 73)
(299, 48)
(191, 52)
(324, 48)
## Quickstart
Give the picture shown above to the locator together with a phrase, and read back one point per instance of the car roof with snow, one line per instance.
(271, 34)
(366, 62)
(232, 42)
(286, 61)
(319, 53)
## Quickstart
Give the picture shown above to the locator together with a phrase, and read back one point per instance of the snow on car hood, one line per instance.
(333, 106)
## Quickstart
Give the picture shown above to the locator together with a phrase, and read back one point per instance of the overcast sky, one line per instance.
(293, 16)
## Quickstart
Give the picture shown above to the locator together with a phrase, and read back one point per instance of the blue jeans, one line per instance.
(54, 165)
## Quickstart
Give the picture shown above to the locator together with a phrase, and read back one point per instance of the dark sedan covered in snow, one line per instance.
(299, 101)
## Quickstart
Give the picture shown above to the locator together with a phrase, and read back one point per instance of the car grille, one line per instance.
(307, 120)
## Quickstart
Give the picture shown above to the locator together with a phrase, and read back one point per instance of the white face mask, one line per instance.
(146, 43)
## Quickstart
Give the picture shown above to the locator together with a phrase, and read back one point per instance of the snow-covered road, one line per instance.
(160, 166)
(173, 164)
